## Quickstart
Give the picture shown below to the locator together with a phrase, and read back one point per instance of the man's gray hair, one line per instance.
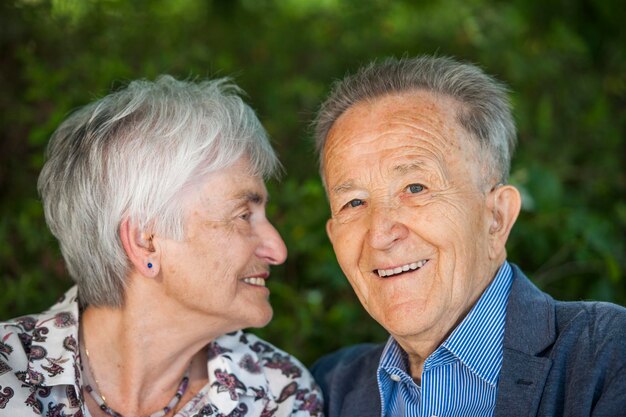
(484, 111)
(128, 156)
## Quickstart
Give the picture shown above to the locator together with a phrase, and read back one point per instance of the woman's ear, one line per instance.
(139, 249)
(504, 203)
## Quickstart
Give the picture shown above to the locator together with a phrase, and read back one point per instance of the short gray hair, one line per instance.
(129, 155)
(485, 111)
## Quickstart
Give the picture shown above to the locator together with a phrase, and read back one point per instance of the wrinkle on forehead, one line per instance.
(412, 166)
(428, 119)
(404, 108)
(343, 187)
(438, 174)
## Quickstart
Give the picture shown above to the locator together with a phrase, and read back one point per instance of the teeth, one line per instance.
(394, 271)
(255, 281)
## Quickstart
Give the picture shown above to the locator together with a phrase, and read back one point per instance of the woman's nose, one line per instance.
(272, 248)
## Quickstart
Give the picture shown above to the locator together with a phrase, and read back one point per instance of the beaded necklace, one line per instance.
(101, 401)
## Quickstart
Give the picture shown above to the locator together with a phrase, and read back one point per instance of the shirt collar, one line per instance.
(233, 358)
(392, 362)
(53, 353)
(477, 340)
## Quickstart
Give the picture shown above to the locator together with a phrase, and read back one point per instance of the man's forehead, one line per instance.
(411, 111)
(395, 169)
(412, 101)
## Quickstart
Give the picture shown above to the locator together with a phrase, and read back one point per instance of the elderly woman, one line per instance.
(157, 198)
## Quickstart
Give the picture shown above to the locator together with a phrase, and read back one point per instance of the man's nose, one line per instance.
(385, 228)
(272, 248)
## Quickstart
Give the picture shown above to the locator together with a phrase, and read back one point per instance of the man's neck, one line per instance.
(419, 347)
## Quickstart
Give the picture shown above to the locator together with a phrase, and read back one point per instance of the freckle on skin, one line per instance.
(216, 265)
(213, 225)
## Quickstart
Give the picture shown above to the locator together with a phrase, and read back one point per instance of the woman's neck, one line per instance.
(139, 353)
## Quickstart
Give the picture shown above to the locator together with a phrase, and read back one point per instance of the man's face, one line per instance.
(410, 217)
(220, 268)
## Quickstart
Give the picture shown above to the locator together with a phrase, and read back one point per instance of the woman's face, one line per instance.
(220, 268)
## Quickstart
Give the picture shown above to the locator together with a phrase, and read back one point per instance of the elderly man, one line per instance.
(415, 155)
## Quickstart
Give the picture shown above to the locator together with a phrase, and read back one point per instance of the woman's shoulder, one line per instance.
(37, 361)
(263, 367)
(256, 355)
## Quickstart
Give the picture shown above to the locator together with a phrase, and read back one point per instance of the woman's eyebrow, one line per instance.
(249, 196)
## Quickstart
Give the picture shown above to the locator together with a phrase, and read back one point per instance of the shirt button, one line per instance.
(395, 378)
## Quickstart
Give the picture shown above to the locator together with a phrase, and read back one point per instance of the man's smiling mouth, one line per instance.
(383, 273)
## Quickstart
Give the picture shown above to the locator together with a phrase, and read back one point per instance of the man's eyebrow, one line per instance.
(410, 167)
(343, 187)
(401, 169)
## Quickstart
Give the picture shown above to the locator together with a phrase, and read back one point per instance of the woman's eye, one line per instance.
(245, 216)
(354, 203)
(415, 188)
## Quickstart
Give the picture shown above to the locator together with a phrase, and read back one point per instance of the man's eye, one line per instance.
(415, 188)
(245, 216)
(354, 203)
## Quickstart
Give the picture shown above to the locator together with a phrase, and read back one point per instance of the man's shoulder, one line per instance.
(533, 314)
(600, 314)
(349, 360)
(348, 367)
(592, 323)
(348, 380)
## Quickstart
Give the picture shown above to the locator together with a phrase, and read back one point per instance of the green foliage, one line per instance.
(565, 63)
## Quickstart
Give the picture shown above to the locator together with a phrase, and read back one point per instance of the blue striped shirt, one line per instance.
(460, 377)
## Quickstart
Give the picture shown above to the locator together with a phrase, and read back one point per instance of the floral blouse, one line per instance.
(40, 372)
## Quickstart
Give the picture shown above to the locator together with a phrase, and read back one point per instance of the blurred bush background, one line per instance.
(565, 62)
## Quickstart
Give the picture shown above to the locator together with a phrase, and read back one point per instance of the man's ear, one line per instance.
(139, 249)
(329, 229)
(504, 203)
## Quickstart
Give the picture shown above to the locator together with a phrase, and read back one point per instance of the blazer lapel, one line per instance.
(363, 401)
(530, 329)
(521, 384)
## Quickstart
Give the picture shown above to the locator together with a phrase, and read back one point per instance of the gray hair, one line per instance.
(485, 111)
(129, 155)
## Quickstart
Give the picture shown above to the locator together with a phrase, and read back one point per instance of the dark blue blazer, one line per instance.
(560, 359)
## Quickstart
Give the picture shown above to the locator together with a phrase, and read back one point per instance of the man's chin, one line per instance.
(403, 322)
